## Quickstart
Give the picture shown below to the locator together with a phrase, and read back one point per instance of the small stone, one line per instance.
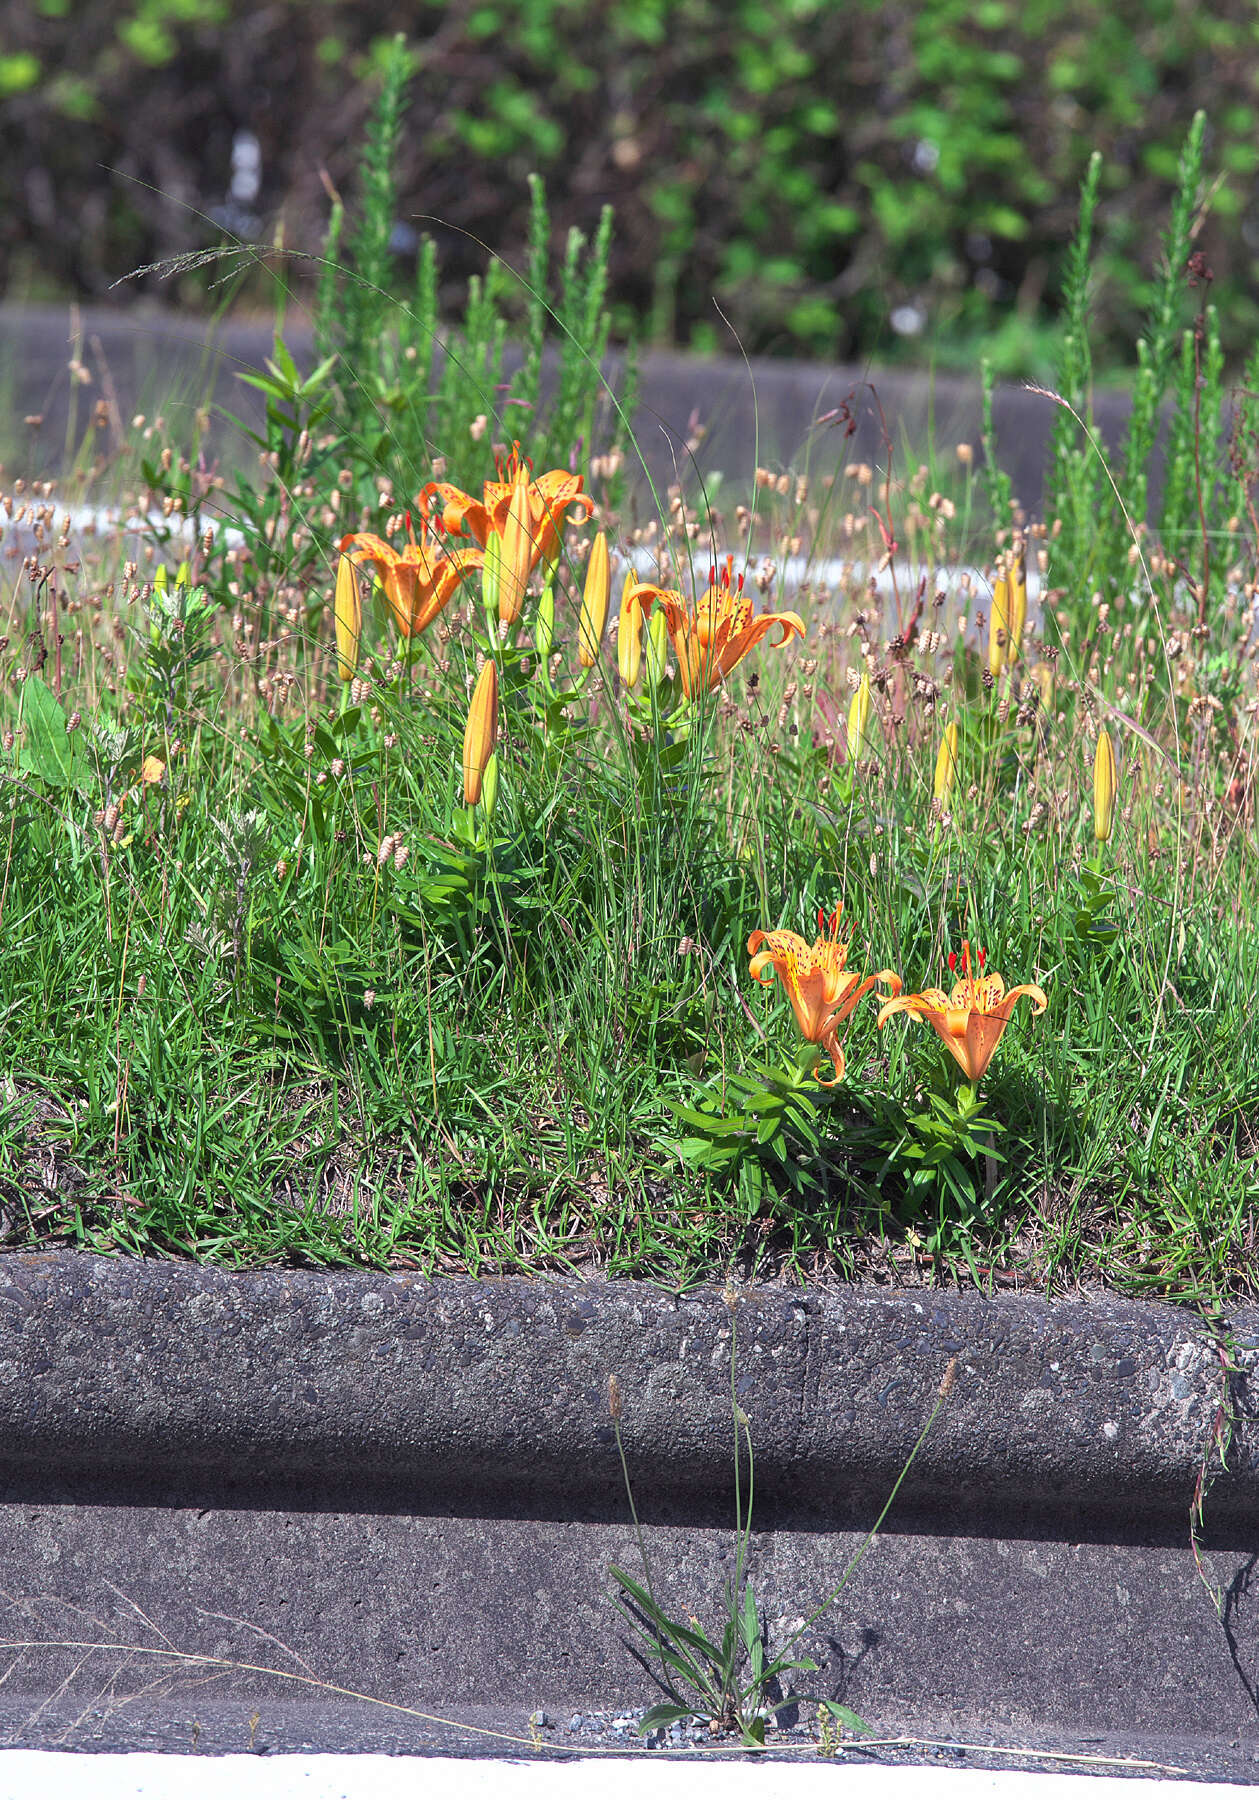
(539, 1719)
(576, 1722)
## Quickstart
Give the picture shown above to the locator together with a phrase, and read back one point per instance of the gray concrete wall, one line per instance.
(766, 410)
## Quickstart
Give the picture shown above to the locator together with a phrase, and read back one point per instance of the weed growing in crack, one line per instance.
(734, 1679)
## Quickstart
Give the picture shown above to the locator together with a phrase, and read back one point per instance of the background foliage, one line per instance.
(818, 167)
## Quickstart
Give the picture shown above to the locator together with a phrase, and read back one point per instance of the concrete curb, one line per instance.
(411, 1487)
(114, 1364)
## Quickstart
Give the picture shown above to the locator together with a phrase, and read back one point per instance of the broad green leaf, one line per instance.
(846, 1716)
(48, 750)
(657, 1716)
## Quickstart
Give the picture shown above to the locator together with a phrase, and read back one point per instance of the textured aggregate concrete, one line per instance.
(767, 407)
(411, 1484)
(108, 1363)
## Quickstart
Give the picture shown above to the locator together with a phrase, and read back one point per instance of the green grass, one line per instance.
(271, 991)
(232, 1032)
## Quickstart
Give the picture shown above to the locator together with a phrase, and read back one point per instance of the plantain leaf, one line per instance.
(48, 750)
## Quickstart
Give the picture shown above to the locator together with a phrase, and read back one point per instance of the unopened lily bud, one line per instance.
(1103, 787)
(594, 604)
(657, 642)
(544, 624)
(946, 763)
(629, 634)
(348, 617)
(1043, 676)
(481, 732)
(516, 553)
(489, 571)
(489, 787)
(999, 627)
(859, 722)
(1018, 603)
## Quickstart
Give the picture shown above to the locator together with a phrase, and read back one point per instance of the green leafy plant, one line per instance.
(49, 751)
(731, 1676)
(945, 1151)
(1098, 512)
(763, 1121)
(179, 643)
(408, 386)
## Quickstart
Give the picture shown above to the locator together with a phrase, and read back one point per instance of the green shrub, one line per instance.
(812, 167)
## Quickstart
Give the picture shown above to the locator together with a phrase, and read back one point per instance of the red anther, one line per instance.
(410, 531)
(952, 961)
(712, 576)
(982, 957)
(821, 918)
(740, 584)
(835, 922)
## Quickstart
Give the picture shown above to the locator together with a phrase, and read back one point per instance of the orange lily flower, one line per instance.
(972, 1018)
(418, 582)
(719, 633)
(821, 990)
(550, 498)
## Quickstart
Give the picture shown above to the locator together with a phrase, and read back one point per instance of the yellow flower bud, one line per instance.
(594, 604)
(859, 722)
(1103, 787)
(999, 626)
(481, 732)
(515, 553)
(629, 634)
(347, 611)
(1042, 677)
(946, 763)
(1018, 603)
